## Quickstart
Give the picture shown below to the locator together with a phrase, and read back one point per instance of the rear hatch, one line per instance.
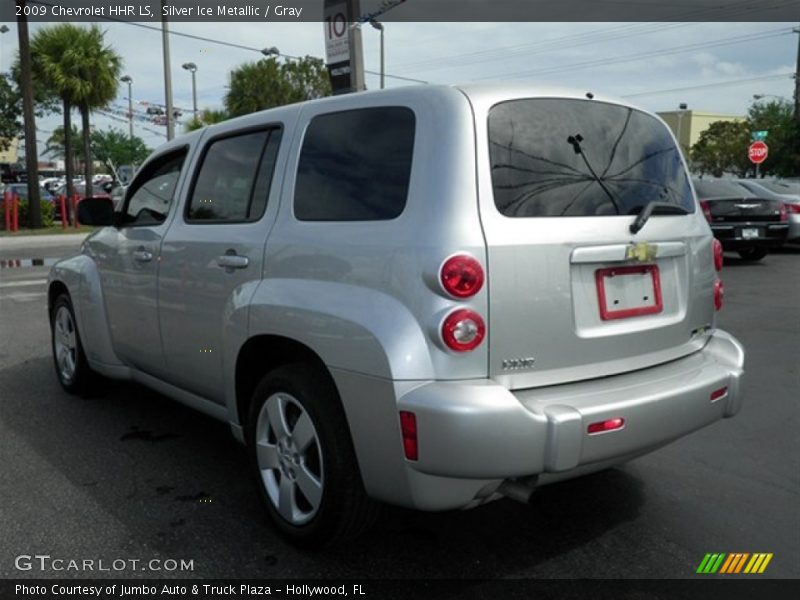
(731, 202)
(574, 294)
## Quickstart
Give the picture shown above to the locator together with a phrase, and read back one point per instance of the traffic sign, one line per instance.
(759, 136)
(757, 152)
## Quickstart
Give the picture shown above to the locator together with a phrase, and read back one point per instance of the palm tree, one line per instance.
(75, 63)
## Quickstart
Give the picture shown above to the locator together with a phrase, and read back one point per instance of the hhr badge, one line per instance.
(514, 364)
(642, 252)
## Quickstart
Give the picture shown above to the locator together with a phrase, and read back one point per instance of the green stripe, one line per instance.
(718, 563)
(701, 568)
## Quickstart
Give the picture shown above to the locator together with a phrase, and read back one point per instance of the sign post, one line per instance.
(343, 51)
(757, 153)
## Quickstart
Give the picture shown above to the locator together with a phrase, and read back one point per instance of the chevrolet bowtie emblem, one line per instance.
(641, 252)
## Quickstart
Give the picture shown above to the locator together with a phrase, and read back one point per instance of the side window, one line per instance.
(355, 165)
(234, 179)
(153, 190)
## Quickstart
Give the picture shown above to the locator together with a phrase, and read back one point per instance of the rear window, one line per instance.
(575, 158)
(355, 165)
(716, 188)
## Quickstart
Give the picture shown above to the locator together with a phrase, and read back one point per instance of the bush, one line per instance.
(48, 213)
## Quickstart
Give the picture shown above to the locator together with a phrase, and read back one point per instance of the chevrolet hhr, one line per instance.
(431, 296)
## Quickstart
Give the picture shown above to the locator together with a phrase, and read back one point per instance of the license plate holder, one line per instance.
(750, 233)
(630, 291)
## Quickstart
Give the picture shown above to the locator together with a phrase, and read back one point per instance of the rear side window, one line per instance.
(560, 157)
(355, 165)
(153, 190)
(234, 179)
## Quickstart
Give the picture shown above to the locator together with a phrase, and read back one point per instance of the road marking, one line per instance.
(23, 296)
(24, 283)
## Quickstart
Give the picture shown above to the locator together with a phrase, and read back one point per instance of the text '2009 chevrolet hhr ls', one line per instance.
(429, 296)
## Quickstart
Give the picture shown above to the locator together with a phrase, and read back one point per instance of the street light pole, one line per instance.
(681, 111)
(3, 29)
(167, 74)
(192, 68)
(127, 79)
(379, 26)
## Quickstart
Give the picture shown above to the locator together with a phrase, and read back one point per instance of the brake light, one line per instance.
(461, 276)
(718, 258)
(408, 426)
(719, 294)
(784, 213)
(608, 425)
(463, 330)
(706, 209)
(792, 208)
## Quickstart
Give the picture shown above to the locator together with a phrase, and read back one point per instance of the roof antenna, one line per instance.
(589, 95)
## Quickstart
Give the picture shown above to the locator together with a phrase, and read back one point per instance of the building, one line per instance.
(10, 155)
(687, 125)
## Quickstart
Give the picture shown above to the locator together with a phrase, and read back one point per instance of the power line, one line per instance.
(711, 85)
(643, 55)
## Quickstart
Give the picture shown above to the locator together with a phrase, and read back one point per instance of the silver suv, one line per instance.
(432, 297)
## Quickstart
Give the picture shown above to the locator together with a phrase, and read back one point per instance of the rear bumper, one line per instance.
(771, 235)
(472, 435)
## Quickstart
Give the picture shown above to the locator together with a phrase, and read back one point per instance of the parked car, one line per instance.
(741, 220)
(433, 297)
(787, 192)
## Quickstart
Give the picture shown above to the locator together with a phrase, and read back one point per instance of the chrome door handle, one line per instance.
(232, 261)
(142, 255)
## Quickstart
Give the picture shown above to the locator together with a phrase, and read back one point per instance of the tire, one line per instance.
(303, 459)
(752, 253)
(72, 368)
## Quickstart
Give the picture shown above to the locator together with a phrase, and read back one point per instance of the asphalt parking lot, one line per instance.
(129, 474)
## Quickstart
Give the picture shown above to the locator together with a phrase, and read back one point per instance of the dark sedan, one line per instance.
(741, 220)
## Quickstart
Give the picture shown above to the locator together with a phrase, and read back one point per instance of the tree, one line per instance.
(207, 117)
(114, 148)
(777, 118)
(75, 63)
(722, 148)
(56, 146)
(10, 111)
(267, 83)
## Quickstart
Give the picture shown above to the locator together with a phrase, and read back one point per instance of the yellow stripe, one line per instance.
(761, 557)
(765, 563)
(749, 566)
(728, 561)
(741, 562)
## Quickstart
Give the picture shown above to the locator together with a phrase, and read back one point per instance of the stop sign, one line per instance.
(757, 152)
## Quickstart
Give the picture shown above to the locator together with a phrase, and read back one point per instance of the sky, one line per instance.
(654, 65)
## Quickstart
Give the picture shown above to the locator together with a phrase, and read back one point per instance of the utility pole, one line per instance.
(31, 153)
(797, 79)
(356, 48)
(167, 75)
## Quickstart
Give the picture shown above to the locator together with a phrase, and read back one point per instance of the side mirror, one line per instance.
(96, 211)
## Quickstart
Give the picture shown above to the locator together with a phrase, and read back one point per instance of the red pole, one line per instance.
(7, 209)
(62, 201)
(16, 212)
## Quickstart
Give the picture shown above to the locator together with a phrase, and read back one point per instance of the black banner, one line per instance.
(407, 11)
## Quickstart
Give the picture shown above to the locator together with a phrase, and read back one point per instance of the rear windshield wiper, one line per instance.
(652, 206)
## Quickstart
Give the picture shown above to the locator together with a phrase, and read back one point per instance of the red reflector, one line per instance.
(603, 426)
(461, 276)
(408, 425)
(718, 257)
(784, 214)
(717, 394)
(719, 294)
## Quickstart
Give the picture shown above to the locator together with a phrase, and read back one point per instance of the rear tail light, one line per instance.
(792, 208)
(608, 425)
(408, 426)
(718, 258)
(463, 330)
(719, 294)
(461, 276)
(706, 210)
(784, 213)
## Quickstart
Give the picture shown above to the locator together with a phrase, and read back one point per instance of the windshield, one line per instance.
(717, 188)
(781, 187)
(557, 157)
